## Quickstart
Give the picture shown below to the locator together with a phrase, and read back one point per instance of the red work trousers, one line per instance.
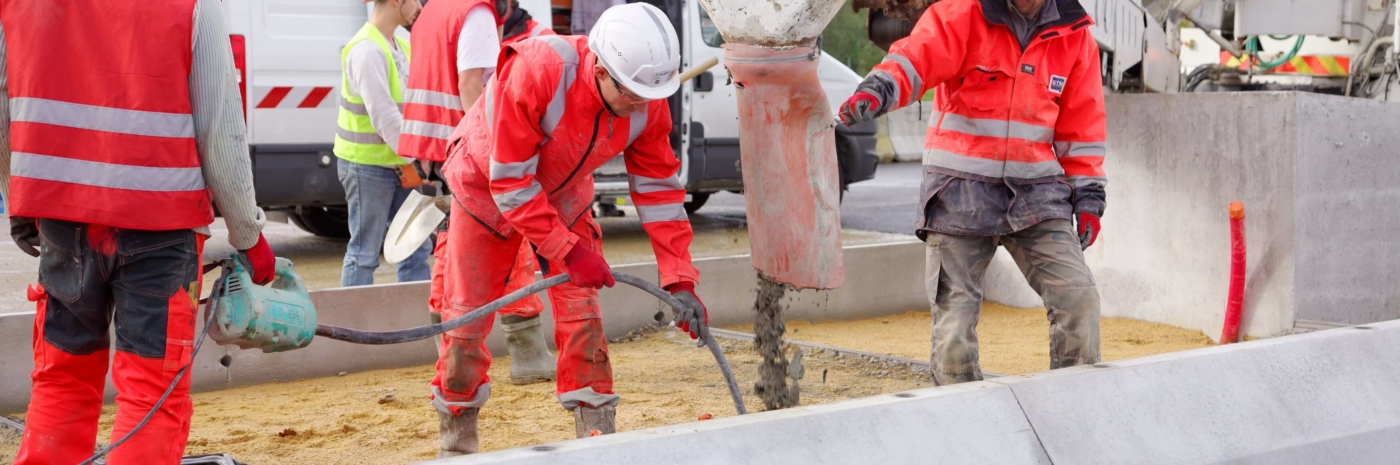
(148, 282)
(482, 268)
(524, 275)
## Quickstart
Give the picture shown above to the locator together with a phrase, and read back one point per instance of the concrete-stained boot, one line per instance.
(458, 432)
(530, 359)
(589, 419)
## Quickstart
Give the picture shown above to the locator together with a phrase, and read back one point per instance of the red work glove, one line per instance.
(1088, 229)
(586, 268)
(690, 318)
(859, 108)
(262, 262)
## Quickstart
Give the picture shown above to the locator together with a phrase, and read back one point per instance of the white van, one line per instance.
(288, 52)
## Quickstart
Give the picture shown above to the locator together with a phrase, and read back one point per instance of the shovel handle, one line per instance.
(700, 68)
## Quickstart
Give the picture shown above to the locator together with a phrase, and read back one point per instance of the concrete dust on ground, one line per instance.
(9, 443)
(1013, 341)
(663, 378)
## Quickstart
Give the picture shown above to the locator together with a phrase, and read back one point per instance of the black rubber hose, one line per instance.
(423, 332)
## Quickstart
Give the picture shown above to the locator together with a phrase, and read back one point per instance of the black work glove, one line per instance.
(25, 232)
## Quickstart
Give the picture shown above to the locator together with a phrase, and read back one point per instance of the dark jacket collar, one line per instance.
(1071, 12)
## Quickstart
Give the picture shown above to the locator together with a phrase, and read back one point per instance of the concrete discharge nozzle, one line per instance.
(786, 138)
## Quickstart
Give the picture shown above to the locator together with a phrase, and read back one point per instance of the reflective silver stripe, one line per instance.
(638, 122)
(916, 83)
(663, 212)
(490, 103)
(991, 168)
(358, 137)
(994, 128)
(434, 98)
(1086, 181)
(98, 174)
(515, 170)
(355, 108)
(645, 185)
(107, 119)
(425, 129)
(539, 29)
(514, 199)
(555, 111)
(660, 30)
(1081, 149)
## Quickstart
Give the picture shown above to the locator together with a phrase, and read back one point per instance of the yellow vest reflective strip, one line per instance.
(356, 140)
(109, 175)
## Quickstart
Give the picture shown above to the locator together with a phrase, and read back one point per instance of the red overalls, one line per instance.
(522, 172)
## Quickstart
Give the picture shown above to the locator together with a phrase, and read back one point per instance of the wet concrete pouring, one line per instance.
(768, 328)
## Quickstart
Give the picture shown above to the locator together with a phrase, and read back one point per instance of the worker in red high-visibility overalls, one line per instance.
(558, 108)
(518, 25)
(456, 45)
(1015, 149)
(115, 148)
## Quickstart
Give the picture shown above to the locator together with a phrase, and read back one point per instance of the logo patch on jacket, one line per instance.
(1057, 84)
(1028, 69)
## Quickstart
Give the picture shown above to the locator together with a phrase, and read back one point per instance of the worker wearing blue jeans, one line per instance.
(374, 67)
(373, 195)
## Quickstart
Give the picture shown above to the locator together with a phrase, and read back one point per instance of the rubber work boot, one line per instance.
(530, 359)
(589, 419)
(459, 434)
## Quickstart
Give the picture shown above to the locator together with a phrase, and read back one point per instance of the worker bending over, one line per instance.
(521, 171)
(456, 44)
(112, 170)
(367, 142)
(1015, 150)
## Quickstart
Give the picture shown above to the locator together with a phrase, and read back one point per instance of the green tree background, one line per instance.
(845, 40)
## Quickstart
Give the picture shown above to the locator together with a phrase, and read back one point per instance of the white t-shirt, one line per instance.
(478, 44)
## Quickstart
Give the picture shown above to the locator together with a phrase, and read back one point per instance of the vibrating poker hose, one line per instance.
(423, 332)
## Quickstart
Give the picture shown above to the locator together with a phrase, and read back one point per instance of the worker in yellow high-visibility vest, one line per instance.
(374, 70)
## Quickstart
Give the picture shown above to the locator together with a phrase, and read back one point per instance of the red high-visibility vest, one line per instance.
(432, 105)
(101, 126)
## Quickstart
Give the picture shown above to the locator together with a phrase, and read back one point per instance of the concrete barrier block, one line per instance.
(1323, 397)
(976, 423)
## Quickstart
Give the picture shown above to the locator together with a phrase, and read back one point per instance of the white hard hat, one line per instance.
(639, 48)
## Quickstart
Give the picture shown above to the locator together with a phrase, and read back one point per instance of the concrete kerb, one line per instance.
(890, 281)
(1323, 397)
(974, 423)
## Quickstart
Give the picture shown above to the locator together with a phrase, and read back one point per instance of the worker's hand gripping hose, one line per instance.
(213, 301)
(424, 332)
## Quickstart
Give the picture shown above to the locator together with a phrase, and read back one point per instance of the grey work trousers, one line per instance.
(1050, 257)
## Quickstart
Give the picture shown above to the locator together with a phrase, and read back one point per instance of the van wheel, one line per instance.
(697, 200)
(322, 221)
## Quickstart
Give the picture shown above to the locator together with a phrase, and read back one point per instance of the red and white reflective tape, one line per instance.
(292, 97)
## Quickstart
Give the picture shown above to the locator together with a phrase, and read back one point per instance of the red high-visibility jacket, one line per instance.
(532, 29)
(110, 144)
(432, 103)
(1029, 119)
(524, 155)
